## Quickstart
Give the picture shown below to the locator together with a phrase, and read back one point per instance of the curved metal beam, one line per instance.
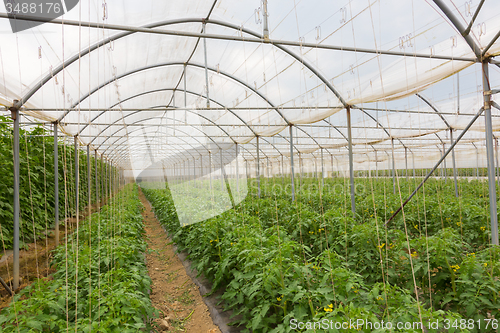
(174, 63)
(434, 108)
(114, 142)
(168, 89)
(458, 25)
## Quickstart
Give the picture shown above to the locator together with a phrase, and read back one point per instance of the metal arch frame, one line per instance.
(139, 128)
(434, 108)
(215, 22)
(171, 89)
(378, 124)
(161, 117)
(168, 89)
(175, 63)
(122, 137)
(98, 44)
(138, 111)
(180, 21)
(458, 25)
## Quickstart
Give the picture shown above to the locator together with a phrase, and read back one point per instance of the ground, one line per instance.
(173, 292)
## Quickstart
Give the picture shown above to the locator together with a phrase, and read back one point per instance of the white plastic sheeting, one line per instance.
(257, 89)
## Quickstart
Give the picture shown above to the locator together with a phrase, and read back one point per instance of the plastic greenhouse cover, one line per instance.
(141, 99)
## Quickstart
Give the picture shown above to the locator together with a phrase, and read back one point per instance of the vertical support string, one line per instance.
(15, 246)
(292, 172)
(56, 184)
(351, 162)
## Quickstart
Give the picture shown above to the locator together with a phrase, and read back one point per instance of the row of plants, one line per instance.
(101, 283)
(37, 199)
(314, 259)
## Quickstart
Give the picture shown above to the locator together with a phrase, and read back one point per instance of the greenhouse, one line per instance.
(249, 166)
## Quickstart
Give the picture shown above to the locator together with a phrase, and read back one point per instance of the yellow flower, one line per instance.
(381, 246)
(330, 306)
(483, 228)
(279, 299)
(459, 223)
(485, 264)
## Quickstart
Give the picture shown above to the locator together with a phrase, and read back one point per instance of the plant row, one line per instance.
(313, 259)
(101, 283)
(36, 192)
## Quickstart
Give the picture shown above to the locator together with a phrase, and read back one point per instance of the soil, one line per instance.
(173, 293)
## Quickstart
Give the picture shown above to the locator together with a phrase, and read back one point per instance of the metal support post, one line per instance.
(445, 171)
(338, 167)
(316, 175)
(322, 170)
(489, 155)
(376, 165)
(237, 173)
(221, 172)
(268, 170)
(206, 66)
(477, 161)
(258, 169)
(185, 89)
(393, 168)
(264, 14)
(15, 116)
(210, 168)
(56, 184)
(331, 161)
(291, 165)
(96, 181)
(406, 164)
(351, 161)
(436, 165)
(77, 181)
(301, 170)
(282, 171)
(454, 164)
(89, 202)
(102, 177)
(413, 163)
(498, 166)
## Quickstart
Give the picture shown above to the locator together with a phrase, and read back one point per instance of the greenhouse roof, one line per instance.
(141, 81)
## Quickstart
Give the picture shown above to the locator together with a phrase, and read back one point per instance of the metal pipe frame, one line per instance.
(56, 184)
(96, 181)
(258, 169)
(292, 171)
(15, 243)
(489, 155)
(351, 161)
(89, 187)
(206, 64)
(150, 29)
(435, 166)
(393, 169)
(454, 164)
(77, 182)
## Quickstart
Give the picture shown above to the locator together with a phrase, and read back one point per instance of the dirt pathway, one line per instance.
(173, 292)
